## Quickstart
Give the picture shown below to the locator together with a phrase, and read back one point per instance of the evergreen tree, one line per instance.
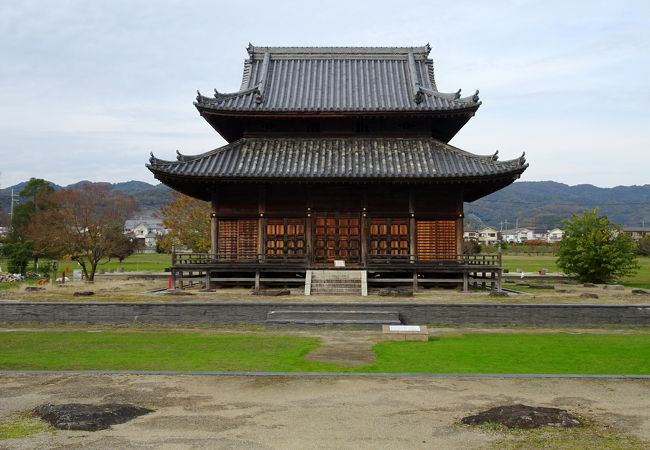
(595, 250)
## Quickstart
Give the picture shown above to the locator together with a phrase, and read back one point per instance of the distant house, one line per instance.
(555, 235)
(470, 235)
(488, 236)
(4, 231)
(637, 233)
(147, 231)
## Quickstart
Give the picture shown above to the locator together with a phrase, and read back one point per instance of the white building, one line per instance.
(147, 230)
(488, 236)
(555, 235)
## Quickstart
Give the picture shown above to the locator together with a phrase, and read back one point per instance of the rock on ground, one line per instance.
(524, 416)
(77, 416)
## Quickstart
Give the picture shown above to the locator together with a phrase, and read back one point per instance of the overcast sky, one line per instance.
(89, 88)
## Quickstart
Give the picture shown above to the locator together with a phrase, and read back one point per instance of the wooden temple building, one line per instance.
(337, 158)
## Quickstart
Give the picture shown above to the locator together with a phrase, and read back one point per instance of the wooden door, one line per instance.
(388, 236)
(285, 237)
(337, 236)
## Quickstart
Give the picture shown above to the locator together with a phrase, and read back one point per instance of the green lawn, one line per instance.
(138, 261)
(468, 353)
(88, 350)
(535, 263)
(519, 353)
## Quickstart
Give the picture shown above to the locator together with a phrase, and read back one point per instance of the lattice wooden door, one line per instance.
(337, 236)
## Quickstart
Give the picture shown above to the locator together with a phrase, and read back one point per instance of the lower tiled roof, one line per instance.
(345, 159)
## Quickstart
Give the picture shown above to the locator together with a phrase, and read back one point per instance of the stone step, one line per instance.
(343, 282)
(336, 274)
(331, 319)
(335, 284)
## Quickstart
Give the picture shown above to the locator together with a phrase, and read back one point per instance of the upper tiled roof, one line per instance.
(345, 159)
(284, 79)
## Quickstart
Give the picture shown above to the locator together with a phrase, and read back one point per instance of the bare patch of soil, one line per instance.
(345, 349)
(76, 416)
(524, 416)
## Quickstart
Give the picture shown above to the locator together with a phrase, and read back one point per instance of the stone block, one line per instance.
(405, 333)
(614, 287)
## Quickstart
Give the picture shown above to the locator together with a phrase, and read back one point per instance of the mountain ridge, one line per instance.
(523, 203)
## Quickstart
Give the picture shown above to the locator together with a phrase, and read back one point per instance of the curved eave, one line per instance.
(473, 188)
(511, 175)
(213, 108)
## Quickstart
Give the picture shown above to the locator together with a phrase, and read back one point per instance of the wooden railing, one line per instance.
(439, 259)
(207, 258)
(371, 260)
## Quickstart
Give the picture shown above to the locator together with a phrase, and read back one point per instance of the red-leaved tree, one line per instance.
(84, 224)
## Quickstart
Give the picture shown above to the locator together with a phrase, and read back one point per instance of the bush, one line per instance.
(595, 250)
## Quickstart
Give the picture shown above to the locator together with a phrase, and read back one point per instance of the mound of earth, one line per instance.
(524, 416)
(76, 416)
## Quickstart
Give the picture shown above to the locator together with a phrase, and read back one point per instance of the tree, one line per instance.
(84, 224)
(18, 248)
(188, 221)
(125, 246)
(644, 246)
(595, 250)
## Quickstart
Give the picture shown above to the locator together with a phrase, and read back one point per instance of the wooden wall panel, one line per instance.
(382, 202)
(286, 201)
(432, 203)
(237, 238)
(237, 200)
(435, 238)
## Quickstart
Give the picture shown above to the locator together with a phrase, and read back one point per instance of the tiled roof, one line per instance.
(283, 79)
(349, 159)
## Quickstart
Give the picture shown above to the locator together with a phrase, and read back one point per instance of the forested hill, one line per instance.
(148, 197)
(527, 203)
(545, 203)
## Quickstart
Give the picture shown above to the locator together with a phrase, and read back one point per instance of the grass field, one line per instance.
(535, 263)
(560, 353)
(140, 261)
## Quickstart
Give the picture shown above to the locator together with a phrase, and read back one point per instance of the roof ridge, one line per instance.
(341, 50)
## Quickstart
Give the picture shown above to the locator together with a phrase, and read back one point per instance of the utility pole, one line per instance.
(11, 209)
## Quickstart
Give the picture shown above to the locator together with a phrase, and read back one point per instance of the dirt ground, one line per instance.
(142, 290)
(231, 412)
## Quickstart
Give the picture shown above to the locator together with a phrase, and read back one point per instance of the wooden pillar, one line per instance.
(459, 225)
(261, 228)
(308, 228)
(412, 228)
(364, 227)
(214, 232)
(207, 280)
(415, 281)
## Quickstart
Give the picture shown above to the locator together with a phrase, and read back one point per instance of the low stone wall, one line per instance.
(237, 313)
